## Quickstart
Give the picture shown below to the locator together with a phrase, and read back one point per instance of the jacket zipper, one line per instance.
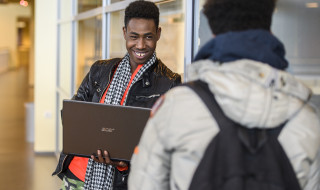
(105, 87)
(114, 174)
(151, 96)
(272, 83)
(131, 87)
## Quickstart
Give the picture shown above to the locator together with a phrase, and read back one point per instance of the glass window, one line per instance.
(115, 1)
(60, 98)
(296, 24)
(65, 58)
(89, 46)
(117, 42)
(85, 5)
(170, 47)
(203, 33)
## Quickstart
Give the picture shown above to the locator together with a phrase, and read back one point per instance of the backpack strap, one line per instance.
(202, 90)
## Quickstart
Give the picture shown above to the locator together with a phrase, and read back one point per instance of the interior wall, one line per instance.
(31, 51)
(9, 14)
(45, 75)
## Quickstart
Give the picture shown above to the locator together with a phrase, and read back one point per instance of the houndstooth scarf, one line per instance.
(121, 79)
(100, 176)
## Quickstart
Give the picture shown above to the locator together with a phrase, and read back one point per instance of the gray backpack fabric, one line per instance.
(239, 158)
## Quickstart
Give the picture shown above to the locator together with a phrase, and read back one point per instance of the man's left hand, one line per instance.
(107, 160)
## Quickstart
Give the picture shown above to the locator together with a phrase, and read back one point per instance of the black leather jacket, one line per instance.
(157, 80)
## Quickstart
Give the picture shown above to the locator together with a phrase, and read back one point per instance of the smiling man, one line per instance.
(138, 79)
(141, 37)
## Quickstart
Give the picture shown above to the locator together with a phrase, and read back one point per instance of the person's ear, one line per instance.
(124, 32)
(158, 33)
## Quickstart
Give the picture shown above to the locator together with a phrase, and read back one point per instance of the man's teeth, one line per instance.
(140, 54)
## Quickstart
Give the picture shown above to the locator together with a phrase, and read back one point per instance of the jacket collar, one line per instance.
(259, 45)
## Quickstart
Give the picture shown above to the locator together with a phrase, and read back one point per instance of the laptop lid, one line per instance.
(89, 126)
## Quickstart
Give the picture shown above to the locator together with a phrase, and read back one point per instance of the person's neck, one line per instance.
(133, 67)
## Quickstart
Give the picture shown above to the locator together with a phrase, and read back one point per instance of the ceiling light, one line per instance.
(24, 3)
(312, 5)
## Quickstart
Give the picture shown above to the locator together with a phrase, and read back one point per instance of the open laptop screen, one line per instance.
(89, 126)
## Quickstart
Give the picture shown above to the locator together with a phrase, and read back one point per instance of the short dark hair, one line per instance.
(142, 9)
(238, 15)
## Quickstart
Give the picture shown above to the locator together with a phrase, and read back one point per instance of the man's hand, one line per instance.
(107, 160)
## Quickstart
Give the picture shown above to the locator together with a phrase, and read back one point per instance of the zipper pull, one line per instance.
(146, 80)
(96, 84)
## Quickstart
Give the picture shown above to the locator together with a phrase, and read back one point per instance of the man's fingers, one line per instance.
(93, 157)
(107, 157)
(122, 164)
(100, 158)
(109, 161)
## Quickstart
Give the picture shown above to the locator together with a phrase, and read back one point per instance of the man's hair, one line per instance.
(238, 15)
(142, 9)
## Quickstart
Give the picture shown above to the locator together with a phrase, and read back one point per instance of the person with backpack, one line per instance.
(242, 122)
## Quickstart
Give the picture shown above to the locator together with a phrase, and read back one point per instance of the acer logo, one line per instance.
(108, 130)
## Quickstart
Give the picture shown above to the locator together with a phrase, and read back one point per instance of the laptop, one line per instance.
(89, 126)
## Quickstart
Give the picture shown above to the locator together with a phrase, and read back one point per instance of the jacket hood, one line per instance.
(259, 45)
(252, 93)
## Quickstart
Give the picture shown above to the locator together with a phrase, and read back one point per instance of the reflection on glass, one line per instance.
(85, 5)
(65, 55)
(298, 26)
(170, 48)
(117, 42)
(115, 1)
(204, 31)
(89, 46)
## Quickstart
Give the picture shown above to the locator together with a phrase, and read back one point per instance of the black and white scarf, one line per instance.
(100, 176)
(121, 79)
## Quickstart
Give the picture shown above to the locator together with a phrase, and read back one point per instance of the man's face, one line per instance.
(141, 38)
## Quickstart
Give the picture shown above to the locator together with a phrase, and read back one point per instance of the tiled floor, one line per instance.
(20, 167)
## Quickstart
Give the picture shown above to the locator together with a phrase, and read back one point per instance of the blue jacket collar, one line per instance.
(259, 45)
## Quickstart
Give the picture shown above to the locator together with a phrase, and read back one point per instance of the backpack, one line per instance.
(238, 158)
